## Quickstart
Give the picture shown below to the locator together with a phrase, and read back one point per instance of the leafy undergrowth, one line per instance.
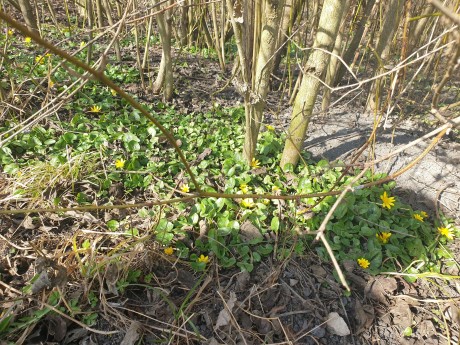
(98, 151)
(79, 161)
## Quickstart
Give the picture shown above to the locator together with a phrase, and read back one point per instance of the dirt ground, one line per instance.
(297, 301)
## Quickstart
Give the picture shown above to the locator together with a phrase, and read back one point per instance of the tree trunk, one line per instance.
(164, 79)
(256, 32)
(28, 13)
(263, 70)
(417, 28)
(329, 22)
(382, 50)
(334, 61)
(356, 40)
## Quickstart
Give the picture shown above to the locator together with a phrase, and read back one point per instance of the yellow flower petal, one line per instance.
(446, 232)
(169, 251)
(255, 163)
(247, 203)
(185, 188)
(364, 263)
(383, 237)
(120, 163)
(95, 109)
(203, 258)
(387, 201)
(418, 217)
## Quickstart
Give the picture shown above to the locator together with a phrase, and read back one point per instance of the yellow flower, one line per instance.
(255, 163)
(418, 217)
(275, 189)
(383, 237)
(203, 258)
(51, 83)
(47, 55)
(82, 44)
(19, 173)
(446, 232)
(245, 188)
(120, 163)
(185, 188)
(27, 39)
(169, 251)
(40, 60)
(10, 32)
(270, 128)
(95, 109)
(364, 263)
(113, 92)
(247, 203)
(387, 201)
(423, 214)
(265, 201)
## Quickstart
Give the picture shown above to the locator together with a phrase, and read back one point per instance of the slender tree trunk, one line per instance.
(28, 13)
(334, 61)
(329, 22)
(382, 50)
(417, 28)
(361, 28)
(263, 70)
(164, 79)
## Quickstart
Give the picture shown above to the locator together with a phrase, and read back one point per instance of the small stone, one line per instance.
(318, 332)
(337, 325)
(293, 282)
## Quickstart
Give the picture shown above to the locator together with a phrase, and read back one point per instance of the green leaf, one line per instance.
(113, 224)
(407, 331)
(275, 224)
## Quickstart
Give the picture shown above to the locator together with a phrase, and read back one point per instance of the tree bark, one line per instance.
(328, 27)
(263, 70)
(382, 50)
(28, 13)
(334, 61)
(356, 40)
(164, 78)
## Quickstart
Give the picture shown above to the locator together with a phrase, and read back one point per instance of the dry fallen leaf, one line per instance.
(224, 316)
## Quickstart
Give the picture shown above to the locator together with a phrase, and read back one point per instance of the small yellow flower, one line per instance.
(10, 32)
(19, 173)
(364, 263)
(95, 109)
(185, 188)
(275, 189)
(47, 55)
(383, 237)
(387, 201)
(120, 163)
(245, 188)
(265, 201)
(82, 44)
(40, 60)
(270, 128)
(27, 39)
(423, 214)
(169, 251)
(418, 217)
(247, 203)
(255, 163)
(203, 258)
(446, 232)
(113, 92)
(51, 83)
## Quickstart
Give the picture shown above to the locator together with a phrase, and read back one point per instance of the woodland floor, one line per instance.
(286, 302)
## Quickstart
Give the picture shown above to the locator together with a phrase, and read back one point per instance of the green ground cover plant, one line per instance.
(99, 150)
